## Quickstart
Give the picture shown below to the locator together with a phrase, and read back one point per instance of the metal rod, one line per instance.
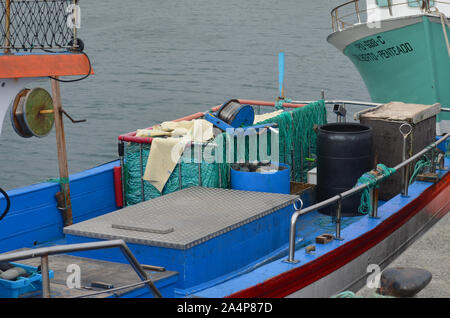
(75, 15)
(121, 148)
(390, 6)
(292, 149)
(180, 180)
(142, 171)
(433, 161)
(219, 165)
(200, 165)
(405, 172)
(345, 194)
(45, 277)
(374, 198)
(62, 249)
(338, 220)
(357, 11)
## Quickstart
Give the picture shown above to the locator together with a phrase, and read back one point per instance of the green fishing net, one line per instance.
(297, 148)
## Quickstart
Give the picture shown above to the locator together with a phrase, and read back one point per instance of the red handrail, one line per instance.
(131, 136)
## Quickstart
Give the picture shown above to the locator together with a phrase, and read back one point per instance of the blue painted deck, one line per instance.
(35, 221)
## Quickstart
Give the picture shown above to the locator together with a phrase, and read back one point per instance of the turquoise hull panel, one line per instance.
(410, 64)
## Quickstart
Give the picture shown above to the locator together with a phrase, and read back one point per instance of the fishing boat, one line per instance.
(246, 199)
(400, 48)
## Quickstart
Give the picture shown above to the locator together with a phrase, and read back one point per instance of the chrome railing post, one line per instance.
(357, 11)
(405, 172)
(141, 160)
(121, 150)
(45, 276)
(374, 202)
(44, 252)
(292, 231)
(338, 219)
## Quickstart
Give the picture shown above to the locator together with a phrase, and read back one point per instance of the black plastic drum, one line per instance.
(344, 153)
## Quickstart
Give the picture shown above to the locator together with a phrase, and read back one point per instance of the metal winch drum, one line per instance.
(236, 114)
(32, 113)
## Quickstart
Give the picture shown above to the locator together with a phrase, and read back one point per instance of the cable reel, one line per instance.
(233, 115)
(32, 113)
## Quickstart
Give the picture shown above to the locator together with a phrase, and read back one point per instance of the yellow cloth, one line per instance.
(263, 117)
(166, 152)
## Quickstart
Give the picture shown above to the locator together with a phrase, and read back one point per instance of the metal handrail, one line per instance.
(44, 252)
(338, 24)
(345, 194)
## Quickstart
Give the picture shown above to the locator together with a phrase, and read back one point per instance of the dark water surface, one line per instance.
(160, 60)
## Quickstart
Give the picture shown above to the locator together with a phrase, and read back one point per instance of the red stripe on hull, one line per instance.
(433, 199)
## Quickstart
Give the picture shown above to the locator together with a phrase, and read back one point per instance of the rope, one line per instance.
(371, 180)
(279, 103)
(62, 182)
(424, 162)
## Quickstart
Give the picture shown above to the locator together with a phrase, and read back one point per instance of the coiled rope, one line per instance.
(371, 179)
(279, 103)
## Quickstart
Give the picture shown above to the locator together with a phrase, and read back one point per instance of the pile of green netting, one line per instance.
(297, 144)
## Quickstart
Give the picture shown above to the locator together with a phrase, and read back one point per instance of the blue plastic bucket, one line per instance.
(273, 182)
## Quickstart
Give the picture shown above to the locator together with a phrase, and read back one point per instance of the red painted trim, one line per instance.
(131, 136)
(118, 186)
(433, 199)
(42, 65)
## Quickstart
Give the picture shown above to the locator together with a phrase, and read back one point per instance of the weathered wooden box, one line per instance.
(385, 121)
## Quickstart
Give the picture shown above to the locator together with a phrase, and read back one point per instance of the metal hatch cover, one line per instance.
(183, 219)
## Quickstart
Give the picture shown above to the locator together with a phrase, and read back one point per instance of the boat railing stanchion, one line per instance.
(200, 152)
(357, 11)
(433, 161)
(180, 180)
(405, 129)
(294, 217)
(121, 150)
(141, 160)
(338, 219)
(374, 203)
(45, 277)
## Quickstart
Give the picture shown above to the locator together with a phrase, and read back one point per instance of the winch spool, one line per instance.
(235, 114)
(32, 113)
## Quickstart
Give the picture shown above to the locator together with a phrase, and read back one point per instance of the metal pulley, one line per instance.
(32, 113)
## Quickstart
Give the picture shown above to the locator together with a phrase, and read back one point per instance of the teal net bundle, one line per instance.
(297, 148)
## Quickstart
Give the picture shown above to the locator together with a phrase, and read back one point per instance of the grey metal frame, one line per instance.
(338, 24)
(44, 252)
(343, 195)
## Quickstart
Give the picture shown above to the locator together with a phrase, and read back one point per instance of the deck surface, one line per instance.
(183, 219)
(431, 252)
(116, 274)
